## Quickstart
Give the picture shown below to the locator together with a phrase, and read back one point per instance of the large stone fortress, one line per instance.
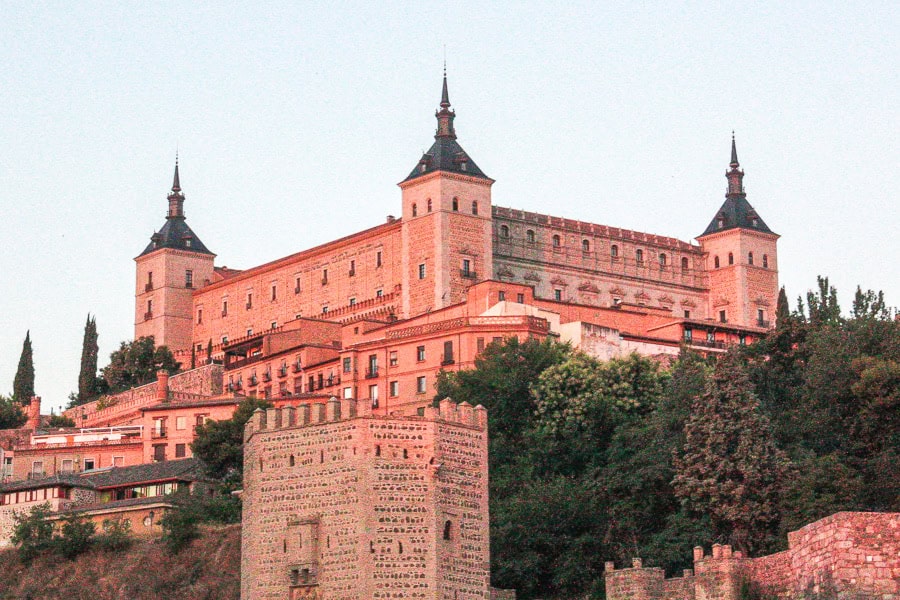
(346, 505)
(377, 313)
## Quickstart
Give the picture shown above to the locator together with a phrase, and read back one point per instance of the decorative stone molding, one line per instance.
(532, 276)
(587, 286)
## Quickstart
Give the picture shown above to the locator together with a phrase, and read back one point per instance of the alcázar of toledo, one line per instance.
(356, 486)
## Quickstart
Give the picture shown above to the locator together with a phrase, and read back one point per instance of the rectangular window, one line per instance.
(710, 336)
(224, 308)
(297, 285)
(348, 364)
(422, 271)
(557, 295)
(180, 423)
(479, 345)
(249, 301)
(348, 393)
(378, 258)
(688, 334)
(373, 395)
(273, 325)
(448, 353)
(352, 301)
(274, 292)
(188, 279)
(249, 332)
(89, 464)
(199, 316)
(687, 314)
(159, 452)
(373, 366)
(224, 339)
(722, 316)
(392, 358)
(501, 296)
(118, 461)
(394, 389)
(324, 309)
(324, 276)
(179, 450)
(379, 293)
(66, 466)
(352, 268)
(520, 298)
(420, 353)
(421, 386)
(466, 267)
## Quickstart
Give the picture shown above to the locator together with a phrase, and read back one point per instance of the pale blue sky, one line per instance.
(295, 121)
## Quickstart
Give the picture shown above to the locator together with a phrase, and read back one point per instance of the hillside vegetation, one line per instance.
(208, 569)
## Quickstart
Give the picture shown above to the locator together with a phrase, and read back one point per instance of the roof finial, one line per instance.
(734, 158)
(176, 182)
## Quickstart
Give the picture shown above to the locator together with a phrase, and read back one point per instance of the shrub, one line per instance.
(116, 535)
(77, 537)
(32, 532)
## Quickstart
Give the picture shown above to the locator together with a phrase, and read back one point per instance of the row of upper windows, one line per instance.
(586, 247)
(188, 280)
(765, 260)
(454, 205)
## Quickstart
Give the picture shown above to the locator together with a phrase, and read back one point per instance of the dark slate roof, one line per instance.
(174, 234)
(444, 155)
(53, 481)
(188, 469)
(736, 213)
(105, 506)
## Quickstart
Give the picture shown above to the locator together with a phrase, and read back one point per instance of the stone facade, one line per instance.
(847, 555)
(345, 505)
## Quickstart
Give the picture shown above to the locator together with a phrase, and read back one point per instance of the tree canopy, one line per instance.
(220, 444)
(11, 414)
(135, 363)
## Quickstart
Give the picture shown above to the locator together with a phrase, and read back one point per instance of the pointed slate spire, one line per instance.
(735, 176)
(176, 182)
(445, 96)
(445, 115)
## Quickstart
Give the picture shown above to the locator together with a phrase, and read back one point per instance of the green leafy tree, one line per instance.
(75, 538)
(61, 421)
(220, 444)
(180, 524)
(730, 467)
(135, 363)
(115, 536)
(32, 532)
(11, 414)
(23, 383)
(87, 376)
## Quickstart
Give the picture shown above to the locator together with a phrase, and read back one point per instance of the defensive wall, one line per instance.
(342, 504)
(850, 555)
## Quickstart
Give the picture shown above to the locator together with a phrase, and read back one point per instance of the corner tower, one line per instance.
(170, 267)
(741, 258)
(446, 231)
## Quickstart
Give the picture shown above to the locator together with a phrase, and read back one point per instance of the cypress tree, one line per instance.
(23, 384)
(730, 467)
(87, 377)
(209, 352)
(783, 311)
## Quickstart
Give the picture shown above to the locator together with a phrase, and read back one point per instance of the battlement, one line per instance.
(335, 410)
(851, 554)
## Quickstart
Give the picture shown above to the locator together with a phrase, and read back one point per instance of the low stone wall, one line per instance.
(847, 555)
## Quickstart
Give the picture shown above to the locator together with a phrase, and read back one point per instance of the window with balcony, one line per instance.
(372, 371)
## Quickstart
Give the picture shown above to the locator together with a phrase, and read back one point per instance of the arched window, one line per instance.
(750, 258)
(455, 204)
(585, 246)
(529, 236)
(504, 231)
(614, 251)
(717, 262)
(474, 207)
(556, 241)
(415, 210)
(448, 530)
(639, 256)
(730, 258)
(429, 205)
(663, 260)
(765, 261)
(684, 264)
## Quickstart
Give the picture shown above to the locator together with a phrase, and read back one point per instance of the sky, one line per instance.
(295, 121)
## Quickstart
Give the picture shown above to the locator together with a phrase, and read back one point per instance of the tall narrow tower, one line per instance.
(446, 232)
(170, 267)
(741, 258)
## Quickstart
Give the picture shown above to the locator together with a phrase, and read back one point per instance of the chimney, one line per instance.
(162, 386)
(34, 413)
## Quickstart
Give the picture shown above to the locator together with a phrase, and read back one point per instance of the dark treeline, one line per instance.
(594, 461)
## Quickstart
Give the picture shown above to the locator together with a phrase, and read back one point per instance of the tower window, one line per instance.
(274, 292)
(663, 260)
(585, 246)
(639, 256)
(199, 316)
(324, 276)
(429, 205)
(224, 308)
(422, 271)
(421, 386)
(750, 258)
(448, 530)
(504, 231)
(557, 295)
(614, 251)
(297, 285)
(557, 242)
(378, 258)
(455, 204)
(765, 261)
(730, 258)
(529, 236)
(249, 301)
(352, 268)
(415, 210)
(474, 207)
(188, 278)
(716, 262)
(722, 316)
(684, 264)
